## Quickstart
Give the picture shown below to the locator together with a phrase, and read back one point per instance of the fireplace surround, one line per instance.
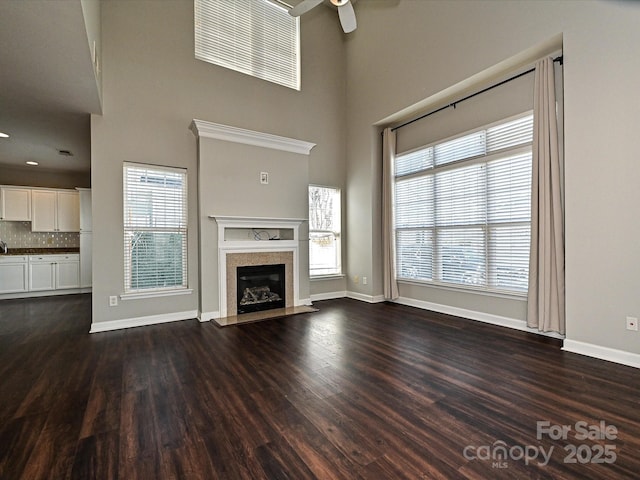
(247, 242)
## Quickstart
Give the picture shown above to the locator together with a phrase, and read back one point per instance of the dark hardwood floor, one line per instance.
(352, 391)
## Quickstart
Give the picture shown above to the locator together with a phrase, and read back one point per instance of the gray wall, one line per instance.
(91, 14)
(230, 186)
(153, 88)
(437, 44)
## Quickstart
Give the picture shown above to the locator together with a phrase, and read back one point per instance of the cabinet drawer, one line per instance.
(70, 257)
(13, 258)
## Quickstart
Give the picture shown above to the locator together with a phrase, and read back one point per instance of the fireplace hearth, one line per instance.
(260, 287)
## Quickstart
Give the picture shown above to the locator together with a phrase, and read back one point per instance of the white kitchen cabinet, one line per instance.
(68, 211)
(41, 273)
(43, 211)
(54, 272)
(14, 274)
(55, 211)
(85, 259)
(15, 204)
(85, 209)
(67, 272)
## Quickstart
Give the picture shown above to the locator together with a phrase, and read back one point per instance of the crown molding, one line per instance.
(201, 128)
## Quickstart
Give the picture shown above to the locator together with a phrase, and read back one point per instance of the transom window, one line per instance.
(463, 209)
(256, 37)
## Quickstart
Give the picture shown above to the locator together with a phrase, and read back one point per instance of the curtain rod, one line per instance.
(453, 104)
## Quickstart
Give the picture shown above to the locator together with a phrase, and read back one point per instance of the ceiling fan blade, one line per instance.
(347, 17)
(304, 7)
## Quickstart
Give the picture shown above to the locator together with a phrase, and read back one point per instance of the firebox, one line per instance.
(260, 287)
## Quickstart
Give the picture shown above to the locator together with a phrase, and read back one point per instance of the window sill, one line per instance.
(333, 276)
(156, 293)
(472, 290)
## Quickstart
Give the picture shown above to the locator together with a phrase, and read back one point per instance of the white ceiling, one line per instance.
(48, 87)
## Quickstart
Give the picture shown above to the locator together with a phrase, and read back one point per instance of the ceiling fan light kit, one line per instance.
(345, 12)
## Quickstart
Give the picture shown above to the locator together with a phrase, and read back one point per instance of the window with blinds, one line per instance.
(155, 228)
(256, 37)
(463, 209)
(324, 231)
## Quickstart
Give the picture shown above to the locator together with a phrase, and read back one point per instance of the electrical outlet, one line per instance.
(113, 301)
(264, 178)
(356, 279)
(632, 323)
(364, 280)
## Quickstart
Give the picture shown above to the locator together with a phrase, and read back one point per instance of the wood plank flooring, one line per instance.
(354, 391)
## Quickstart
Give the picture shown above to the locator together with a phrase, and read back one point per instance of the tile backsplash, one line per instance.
(19, 235)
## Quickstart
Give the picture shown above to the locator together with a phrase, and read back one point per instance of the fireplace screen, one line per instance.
(260, 287)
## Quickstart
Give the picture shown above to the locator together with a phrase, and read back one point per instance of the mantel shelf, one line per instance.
(260, 232)
(228, 133)
(258, 221)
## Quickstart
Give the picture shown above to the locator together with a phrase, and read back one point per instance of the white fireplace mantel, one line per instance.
(251, 235)
(228, 133)
(277, 232)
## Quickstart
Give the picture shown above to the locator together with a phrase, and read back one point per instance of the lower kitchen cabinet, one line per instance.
(14, 274)
(54, 272)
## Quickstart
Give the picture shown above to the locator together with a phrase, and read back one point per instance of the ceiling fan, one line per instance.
(345, 12)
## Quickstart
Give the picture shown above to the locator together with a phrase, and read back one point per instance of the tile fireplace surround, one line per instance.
(245, 241)
(245, 259)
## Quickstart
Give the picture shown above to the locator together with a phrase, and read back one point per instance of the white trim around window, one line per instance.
(462, 209)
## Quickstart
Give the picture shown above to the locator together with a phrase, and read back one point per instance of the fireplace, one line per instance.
(239, 246)
(260, 287)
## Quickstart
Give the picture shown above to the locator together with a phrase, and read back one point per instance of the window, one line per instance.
(463, 209)
(155, 228)
(256, 37)
(324, 231)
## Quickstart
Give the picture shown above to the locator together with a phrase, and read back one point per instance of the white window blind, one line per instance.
(256, 37)
(155, 228)
(324, 231)
(463, 209)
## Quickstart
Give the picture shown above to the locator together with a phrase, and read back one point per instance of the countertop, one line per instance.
(41, 251)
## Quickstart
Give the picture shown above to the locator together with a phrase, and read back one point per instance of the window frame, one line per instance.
(131, 228)
(337, 234)
(487, 227)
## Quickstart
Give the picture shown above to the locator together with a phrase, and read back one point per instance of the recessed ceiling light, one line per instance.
(30, 162)
(3, 135)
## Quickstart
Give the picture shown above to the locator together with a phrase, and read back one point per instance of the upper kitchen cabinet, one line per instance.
(85, 209)
(55, 211)
(15, 204)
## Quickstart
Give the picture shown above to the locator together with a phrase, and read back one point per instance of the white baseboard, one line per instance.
(142, 321)
(208, 316)
(365, 298)
(603, 353)
(474, 315)
(303, 301)
(316, 297)
(42, 293)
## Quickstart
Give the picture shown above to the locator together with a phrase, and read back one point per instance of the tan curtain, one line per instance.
(546, 299)
(388, 233)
